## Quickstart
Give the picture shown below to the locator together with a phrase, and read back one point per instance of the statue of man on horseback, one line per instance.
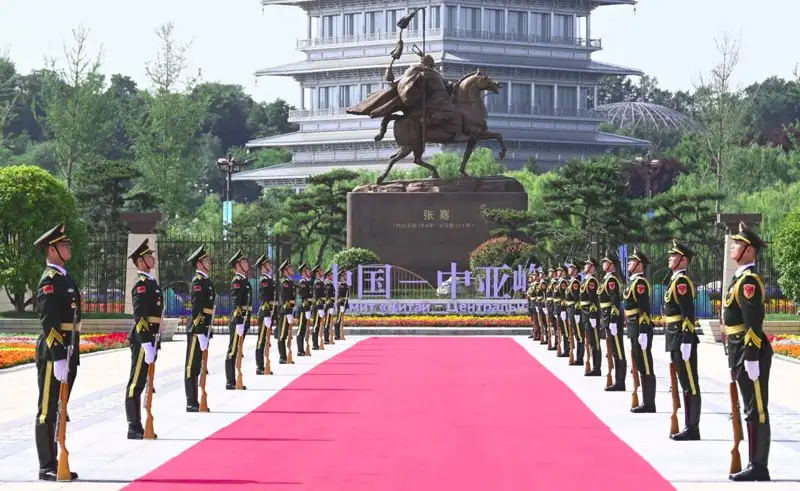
(426, 108)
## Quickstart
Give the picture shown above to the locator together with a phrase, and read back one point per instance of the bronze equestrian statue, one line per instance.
(455, 112)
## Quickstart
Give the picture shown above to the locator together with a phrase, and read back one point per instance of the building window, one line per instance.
(373, 22)
(494, 21)
(452, 18)
(567, 99)
(435, 17)
(416, 22)
(350, 24)
(324, 97)
(521, 98)
(470, 19)
(541, 27)
(584, 96)
(518, 25)
(545, 100)
(367, 89)
(329, 26)
(348, 95)
(498, 103)
(392, 16)
(564, 26)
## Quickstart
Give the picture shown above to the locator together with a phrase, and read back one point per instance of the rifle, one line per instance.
(676, 402)
(571, 334)
(558, 337)
(609, 359)
(63, 472)
(736, 418)
(239, 356)
(267, 366)
(289, 358)
(149, 433)
(310, 328)
(636, 383)
(587, 351)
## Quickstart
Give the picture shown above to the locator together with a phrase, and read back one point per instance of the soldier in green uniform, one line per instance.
(148, 304)
(590, 310)
(531, 296)
(330, 298)
(318, 306)
(266, 312)
(342, 302)
(636, 299)
(541, 303)
(549, 310)
(57, 353)
(287, 308)
(307, 310)
(749, 350)
(611, 318)
(681, 340)
(203, 296)
(561, 310)
(242, 295)
(572, 296)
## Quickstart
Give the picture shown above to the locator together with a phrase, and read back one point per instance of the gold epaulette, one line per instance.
(51, 273)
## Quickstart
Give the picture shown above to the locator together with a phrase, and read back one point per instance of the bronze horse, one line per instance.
(468, 100)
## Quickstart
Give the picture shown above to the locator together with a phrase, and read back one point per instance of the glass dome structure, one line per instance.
(646, 115)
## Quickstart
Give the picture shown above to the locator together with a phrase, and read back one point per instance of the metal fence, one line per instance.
(103, 279)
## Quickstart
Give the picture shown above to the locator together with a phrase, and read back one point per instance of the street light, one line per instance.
(230, 165)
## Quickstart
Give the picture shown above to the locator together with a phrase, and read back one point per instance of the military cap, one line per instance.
(639, 256)
(236, 258)
(284, 265)
(262, 259)
(551, 269)
(302, 267)
(559, 268)
(142, 250)
(569, 263)
(611, 256)
(681, 250)
(592, 261)
(329, 271)
(198, 254)
(749, 237)
(52, 236)
(316, 268)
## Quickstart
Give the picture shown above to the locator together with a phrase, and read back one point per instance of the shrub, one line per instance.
(352, 257)
(787, 255)
(498, 251)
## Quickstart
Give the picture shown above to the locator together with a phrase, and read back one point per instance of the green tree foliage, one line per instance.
(31, 202)
(787, 255)
(350, 258)
(499, 251)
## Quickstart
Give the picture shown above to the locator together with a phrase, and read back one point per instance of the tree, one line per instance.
(787, 255)
(76, 111)
(31, 202)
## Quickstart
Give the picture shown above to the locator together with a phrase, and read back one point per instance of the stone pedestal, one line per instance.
(424, 225)
(141, 226)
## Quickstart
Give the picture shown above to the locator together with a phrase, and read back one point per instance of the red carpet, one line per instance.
(415, 414)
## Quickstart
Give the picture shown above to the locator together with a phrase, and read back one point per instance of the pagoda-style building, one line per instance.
(540, 50)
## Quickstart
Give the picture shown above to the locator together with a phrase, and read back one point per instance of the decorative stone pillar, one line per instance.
(141, 226)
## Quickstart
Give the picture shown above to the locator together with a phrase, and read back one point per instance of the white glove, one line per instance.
(752, 369)
(60, 370)
(149, 353)
(593, 323)
(203, 340)
(563, 316)
(577, 318)
(341, 308)
(308, 315)
(240, 329)
(321, 312)
(267, 321)
(545, 310)
(643, 340)
(290, 319)
(331, 311)
(613, 328)
(686, 351)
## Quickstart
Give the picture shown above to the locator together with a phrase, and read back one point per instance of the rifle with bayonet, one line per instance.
(63, 472)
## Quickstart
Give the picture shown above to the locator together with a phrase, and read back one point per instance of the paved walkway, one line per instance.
(106, 460)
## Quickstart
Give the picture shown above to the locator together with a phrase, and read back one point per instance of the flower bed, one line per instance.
(19, 349)
(786, 344)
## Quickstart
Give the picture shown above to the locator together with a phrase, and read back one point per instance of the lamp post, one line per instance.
(230, 165)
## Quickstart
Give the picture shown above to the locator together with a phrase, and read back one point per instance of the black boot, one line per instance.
(619, 376)
(648, 404)
(230, 375)
(47, 451)
(691, 432)
(579, 348)
(190, 386)
(282, 351)
(134, 415)
(758, 439)
(597, 360)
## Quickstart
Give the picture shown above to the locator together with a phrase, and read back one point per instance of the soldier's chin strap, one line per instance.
(58, 253)
(743, 251)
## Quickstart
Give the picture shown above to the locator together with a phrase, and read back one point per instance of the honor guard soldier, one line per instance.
(530, 293)
(318, 306)
(590, 310)
(148, 304)
(749, 350)
(681, 340)
(572, 296)
(242, 295)
(549, 311)
(610, 297)
(266, 313)
(57, 348)
(197, 337)
(636, 299)
(306, 310)
(560, 301)
(286, 310)
(330, 297)
(541, 300)
(342, 303)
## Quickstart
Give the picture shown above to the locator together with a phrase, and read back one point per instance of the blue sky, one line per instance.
(672, 40)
